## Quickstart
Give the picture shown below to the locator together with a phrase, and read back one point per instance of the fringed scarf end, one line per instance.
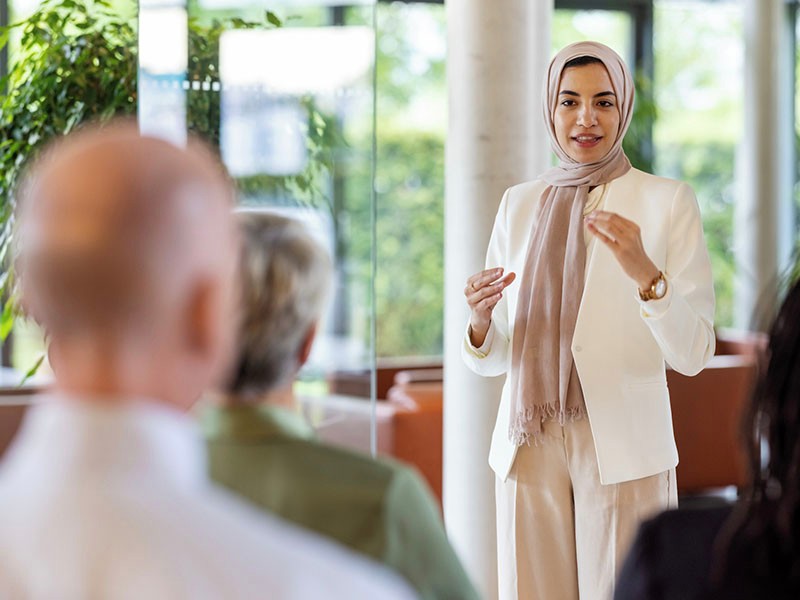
(527, 426)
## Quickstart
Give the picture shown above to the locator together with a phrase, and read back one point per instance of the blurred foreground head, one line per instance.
(285, 279)
(126, 257)
(763, 536)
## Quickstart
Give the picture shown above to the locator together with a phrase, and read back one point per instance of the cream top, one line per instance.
(595, 201)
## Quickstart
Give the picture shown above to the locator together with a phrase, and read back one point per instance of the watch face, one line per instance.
(661, 288)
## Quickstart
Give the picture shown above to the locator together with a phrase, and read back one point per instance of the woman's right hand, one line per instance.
(483, 292)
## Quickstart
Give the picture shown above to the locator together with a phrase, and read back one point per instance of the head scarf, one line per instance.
(543, 379)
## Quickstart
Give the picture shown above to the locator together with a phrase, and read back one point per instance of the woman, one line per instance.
(614, 281)
(750, 551)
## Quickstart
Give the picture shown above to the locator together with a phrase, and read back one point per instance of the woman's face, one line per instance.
(587, 116)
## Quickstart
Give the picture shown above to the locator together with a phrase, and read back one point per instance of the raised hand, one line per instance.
(483, 291)
(624, 239)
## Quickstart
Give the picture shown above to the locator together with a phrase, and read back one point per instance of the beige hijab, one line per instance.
(544, 382)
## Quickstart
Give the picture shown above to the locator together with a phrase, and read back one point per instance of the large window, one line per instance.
(687, 124)
(699, 97)
(611, 27)
(24, 348)
(411, 128)
(291, 110)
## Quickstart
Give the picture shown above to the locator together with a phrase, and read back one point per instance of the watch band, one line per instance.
(651, 293)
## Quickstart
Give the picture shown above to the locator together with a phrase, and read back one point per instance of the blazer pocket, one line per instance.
(644, 385)
(648, 406)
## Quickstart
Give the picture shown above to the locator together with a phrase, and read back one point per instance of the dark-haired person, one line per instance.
(750, 551)
(613, 280)
(262, 448)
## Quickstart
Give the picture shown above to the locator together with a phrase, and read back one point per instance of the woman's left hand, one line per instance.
(624, 239)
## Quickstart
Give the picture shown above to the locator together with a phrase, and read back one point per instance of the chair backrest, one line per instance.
(357, 382)
(418, 423)
(348, 421)
(430, 375)
(707, 412)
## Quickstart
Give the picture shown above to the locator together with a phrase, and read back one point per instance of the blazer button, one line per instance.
(578, 348)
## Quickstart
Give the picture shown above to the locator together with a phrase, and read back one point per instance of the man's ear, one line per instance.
(308, 343)
(202, 326)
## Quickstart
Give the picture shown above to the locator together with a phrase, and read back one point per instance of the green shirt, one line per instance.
(378, 507)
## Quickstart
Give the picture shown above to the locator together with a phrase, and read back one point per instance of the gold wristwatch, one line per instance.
(657, 289)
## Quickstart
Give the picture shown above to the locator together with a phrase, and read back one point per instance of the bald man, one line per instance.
(126, 257)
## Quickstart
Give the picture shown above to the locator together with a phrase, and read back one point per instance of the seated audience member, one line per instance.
(127, 254)
(260, 446)
(752, 549)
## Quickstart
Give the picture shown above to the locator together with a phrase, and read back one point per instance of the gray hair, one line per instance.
(285, 277)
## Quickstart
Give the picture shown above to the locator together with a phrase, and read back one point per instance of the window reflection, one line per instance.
(265, 74)
(163, 57)
(298, 60)
(291, 110)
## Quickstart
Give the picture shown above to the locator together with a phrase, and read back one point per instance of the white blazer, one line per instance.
(620, 343)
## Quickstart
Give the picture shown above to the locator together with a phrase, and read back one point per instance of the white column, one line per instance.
(763, 221)
(497, 54)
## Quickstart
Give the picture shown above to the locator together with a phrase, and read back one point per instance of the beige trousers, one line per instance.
(561, 534)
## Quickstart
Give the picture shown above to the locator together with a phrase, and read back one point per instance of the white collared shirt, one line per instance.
(112, 501)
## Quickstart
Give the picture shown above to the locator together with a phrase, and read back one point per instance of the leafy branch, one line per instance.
(76, 62)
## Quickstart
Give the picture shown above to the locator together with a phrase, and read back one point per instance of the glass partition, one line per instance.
(163, 46)
(286, 96)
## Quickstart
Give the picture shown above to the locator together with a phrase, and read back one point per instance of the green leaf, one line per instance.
(273, 19)
(33, 370)
(7, 320)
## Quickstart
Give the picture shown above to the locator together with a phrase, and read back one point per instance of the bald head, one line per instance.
(113, 224)
(117, 231)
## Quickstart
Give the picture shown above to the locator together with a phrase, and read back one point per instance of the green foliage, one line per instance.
(409, 179)
(791, 276)
(203, 106)
(306, 188)
(33, 369)
(707, 166)
(204, 117)
(6, 321)
(638, 142)
(699, 96)
(76, 63)
(409, 294)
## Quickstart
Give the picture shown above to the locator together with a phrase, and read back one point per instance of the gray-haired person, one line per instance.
(260, 446)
